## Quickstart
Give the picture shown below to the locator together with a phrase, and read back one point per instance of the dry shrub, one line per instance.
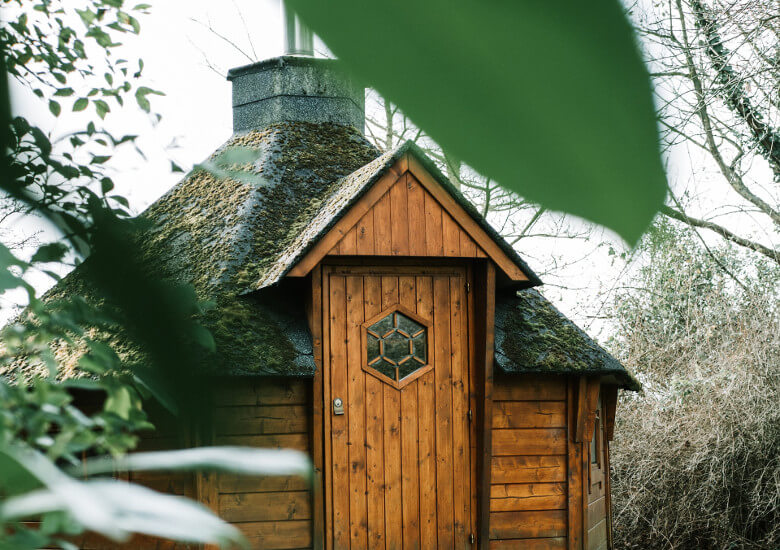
(696, 457)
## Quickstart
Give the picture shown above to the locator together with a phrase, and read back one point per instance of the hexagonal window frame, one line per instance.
(421, 370)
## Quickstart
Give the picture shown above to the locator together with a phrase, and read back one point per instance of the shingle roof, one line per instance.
(532, 336)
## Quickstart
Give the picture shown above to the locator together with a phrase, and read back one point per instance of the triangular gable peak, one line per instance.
(408, 213)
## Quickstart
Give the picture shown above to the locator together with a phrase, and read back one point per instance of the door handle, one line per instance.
(338, 406)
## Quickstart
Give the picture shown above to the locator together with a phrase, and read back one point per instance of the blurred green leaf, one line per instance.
(54, 107)
(119, 402)
(242, 460)
(550, 99)
(101, 107)
(143, 101)
(114, 509)
(52, 252)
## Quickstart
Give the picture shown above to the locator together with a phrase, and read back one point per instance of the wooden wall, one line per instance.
(528, 493)
(407, 221)
(274, 513)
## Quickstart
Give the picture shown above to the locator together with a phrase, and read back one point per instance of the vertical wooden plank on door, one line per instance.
(392, 419)
(426, 425)
(460, 439)
(410, 469)
(339, 424)
(473, 385)
(326, 417)
(358, 523)
(375, 473)
(443, 389)
(317, 409)
(416, 210)
(399, 219)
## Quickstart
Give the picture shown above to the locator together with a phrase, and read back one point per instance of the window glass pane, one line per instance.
(396, 340)
(420, 347)
(408, 326)
(372, 344)
(388, 369)
(396, 347)
(383, 327)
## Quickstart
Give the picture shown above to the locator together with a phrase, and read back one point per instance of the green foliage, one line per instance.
(65, 185)
(118, 509)
(548, 98)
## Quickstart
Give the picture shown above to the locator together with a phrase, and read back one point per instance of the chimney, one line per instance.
(295, 89)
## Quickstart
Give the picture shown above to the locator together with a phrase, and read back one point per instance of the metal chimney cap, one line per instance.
(295, 89)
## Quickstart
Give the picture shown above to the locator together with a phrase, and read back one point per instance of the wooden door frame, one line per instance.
(481, 279)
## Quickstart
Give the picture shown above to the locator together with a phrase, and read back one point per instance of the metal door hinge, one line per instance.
(472, 538)
(468, 288)
(470, 415)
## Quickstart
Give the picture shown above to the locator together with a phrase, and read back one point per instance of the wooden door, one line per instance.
(398, 461)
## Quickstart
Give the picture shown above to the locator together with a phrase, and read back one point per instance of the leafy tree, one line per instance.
(67, 56)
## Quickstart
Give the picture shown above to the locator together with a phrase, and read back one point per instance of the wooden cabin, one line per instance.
(368, 315)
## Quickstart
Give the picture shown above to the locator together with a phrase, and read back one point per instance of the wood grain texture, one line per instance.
(529, 441)
(558, 543)
(530, 388)
(275, 512)
(407, 220)
(269, 392)
(280, 535)
(529, 491)
(316, 430)
(408, 467)
(527, 496)
(485, 306)
(529, 414)
(574, 473)
(535, 524)
(528, 469)
(265, 506)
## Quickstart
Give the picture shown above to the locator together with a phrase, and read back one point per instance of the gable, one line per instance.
(408, 208)
(407, 221)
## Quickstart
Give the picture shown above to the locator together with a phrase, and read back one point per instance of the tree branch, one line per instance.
(770, 253)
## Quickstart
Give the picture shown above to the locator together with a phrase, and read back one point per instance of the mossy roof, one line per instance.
(532, 336)
(233, 237)
(221, 234)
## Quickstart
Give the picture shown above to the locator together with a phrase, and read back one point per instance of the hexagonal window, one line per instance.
(396, 344)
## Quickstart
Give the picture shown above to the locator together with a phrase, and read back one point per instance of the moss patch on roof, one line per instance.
(223, 234)
(220, 234)
(532, 336)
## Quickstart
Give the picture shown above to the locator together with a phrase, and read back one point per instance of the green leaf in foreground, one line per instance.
(548, 98)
